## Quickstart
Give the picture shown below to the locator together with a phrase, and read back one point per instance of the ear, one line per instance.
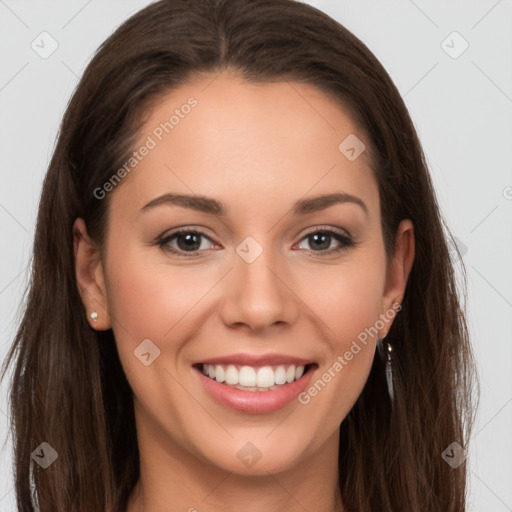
(90, 278)
(398, 272)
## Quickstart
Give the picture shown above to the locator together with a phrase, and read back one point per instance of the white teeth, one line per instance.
(265, 377)
(280, 375)
(253, 379)
(231, 375)
(220, 374)
(247, 376)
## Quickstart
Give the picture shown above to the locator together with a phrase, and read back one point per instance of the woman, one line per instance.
(186, 344)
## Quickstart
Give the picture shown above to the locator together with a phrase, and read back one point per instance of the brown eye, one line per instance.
(320, 241)
(187, 241)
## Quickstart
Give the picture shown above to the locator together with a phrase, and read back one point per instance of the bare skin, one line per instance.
(258, 149)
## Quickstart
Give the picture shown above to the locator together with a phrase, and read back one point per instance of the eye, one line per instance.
(188, 241)
(322, 239)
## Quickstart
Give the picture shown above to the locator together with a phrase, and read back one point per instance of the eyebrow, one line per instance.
(216, 207)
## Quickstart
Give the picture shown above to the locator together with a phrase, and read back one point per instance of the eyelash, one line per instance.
(346, 242)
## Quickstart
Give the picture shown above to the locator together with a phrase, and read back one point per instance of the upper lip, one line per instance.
(256, 360)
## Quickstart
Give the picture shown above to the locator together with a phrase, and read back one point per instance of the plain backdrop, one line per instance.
(451, 61)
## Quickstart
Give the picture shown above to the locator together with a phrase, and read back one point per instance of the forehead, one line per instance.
(224, 137)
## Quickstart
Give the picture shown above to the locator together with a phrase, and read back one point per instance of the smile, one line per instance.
(254, 384)
(251, 378)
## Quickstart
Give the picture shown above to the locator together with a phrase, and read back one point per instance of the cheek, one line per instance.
(348, 297)
(147, 300)
(155, 301)
(348, 301)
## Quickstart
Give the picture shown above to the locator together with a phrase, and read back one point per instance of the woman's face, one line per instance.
(267, 277)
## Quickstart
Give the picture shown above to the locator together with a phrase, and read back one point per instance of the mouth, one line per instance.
(255, 378)
(254, 384)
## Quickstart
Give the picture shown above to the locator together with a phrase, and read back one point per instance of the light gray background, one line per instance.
(461, 108)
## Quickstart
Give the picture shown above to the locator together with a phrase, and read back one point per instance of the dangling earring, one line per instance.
(389, 367)
(94, 316)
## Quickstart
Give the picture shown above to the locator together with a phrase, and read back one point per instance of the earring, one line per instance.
(94, 316)
(388, 368)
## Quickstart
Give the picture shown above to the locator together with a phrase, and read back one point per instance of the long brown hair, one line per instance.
(68, 386)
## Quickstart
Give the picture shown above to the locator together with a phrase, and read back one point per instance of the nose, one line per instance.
(259, 294)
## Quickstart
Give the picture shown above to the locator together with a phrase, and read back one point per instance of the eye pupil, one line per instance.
(324, 237)
(192, 242)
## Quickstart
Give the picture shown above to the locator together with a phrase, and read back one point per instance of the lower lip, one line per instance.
(255, 402)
